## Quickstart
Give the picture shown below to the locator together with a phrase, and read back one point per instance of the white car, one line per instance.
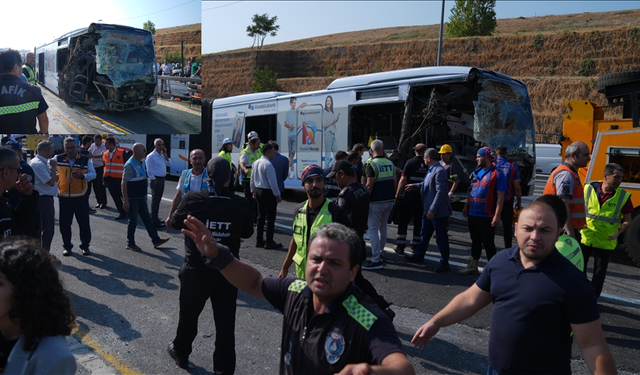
(548, 157)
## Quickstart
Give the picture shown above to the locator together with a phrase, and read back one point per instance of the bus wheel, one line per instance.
(632, 240)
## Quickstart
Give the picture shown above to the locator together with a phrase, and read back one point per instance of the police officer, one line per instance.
(228, 218)
(414, 172)
(20, 102)
(28, 74)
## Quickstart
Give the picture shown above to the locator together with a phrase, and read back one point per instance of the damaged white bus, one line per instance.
(464, 107)
(109, 67)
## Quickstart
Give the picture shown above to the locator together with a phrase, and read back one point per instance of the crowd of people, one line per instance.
(335, 321)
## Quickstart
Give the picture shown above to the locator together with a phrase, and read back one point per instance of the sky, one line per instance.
(48, 20)
(224, 23)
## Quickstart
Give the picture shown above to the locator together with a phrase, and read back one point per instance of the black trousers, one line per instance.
(246, 185)
(157, 189)
(197, 285)
(267, 209)
(98, 186)
(506, 216)
(411, 209)
(115, 189)
(601, 259)
(482, 234)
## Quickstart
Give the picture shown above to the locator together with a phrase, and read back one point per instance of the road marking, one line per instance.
(111, 359)
(102, 120)
(67, 122)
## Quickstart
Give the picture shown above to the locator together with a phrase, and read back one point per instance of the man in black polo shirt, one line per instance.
(331, 189)
(539, 299)
(20, 102)
(329, 324)
(413, 173)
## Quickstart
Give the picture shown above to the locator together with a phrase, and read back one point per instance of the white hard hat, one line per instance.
(226, 141)
(252, 134)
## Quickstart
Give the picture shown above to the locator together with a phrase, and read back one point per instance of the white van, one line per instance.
(548, 157)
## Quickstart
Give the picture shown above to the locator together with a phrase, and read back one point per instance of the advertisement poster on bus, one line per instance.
(230, 122)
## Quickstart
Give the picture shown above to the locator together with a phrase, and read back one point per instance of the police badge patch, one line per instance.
(334, 347)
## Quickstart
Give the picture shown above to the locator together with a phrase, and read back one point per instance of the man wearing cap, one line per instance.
(264, 188)
(513, 192)
(483, 208)
(157, 163)
(331, 189)
(381, 182)
(225, 150)
(248, 156)
(354, 200)
(20, 102)
(411, 203)
(308, 216)
(194, 179)
(452, 176)
(134, 193)
(437, 209)
(228, 219)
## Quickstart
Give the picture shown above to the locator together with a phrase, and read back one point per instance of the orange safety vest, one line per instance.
(576, 204)
(114, 166)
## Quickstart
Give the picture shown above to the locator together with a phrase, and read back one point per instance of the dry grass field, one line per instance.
(558, 57)
(169, 39)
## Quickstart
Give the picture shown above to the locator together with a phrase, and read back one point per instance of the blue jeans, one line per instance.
(138, 206)
(440, 226)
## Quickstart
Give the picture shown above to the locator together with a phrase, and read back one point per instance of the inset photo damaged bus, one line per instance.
(109, 67)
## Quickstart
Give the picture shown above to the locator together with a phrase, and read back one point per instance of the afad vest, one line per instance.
(576, 204)
(77, 187)
(31, 78)
(186, 176)
(483, 197)
(384, 184)
(602, 221)
(253, 156)
(113, 166)
(300, 233)
(570, 249)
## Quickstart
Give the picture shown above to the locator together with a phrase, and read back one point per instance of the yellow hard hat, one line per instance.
(445, 149)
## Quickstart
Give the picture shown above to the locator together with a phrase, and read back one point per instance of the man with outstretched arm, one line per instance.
(330, 326)
(539, 298)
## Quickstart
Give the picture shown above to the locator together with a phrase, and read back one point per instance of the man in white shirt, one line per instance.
(264, 188)
(95, 153)
(166, 71)
(194, 179)
(44, 169)
(157, 162)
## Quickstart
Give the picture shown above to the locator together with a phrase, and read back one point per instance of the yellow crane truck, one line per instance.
(611, 141)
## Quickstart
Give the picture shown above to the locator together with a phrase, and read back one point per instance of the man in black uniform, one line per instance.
(354, 199)
(329, 324)
(228, 218)
(20, 102)
(331, 189)
(414, 172)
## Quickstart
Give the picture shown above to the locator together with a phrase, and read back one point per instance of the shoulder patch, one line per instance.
(358, 312)
(297, 286)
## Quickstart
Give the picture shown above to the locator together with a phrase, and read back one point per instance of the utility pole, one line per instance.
(441, 31)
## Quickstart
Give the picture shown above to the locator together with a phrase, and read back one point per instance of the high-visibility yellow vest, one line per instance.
(602, 221)
(31, 78)
(300, 233)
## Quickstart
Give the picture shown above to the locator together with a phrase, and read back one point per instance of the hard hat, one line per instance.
(252, 134)
(445, 149)
(226, 141)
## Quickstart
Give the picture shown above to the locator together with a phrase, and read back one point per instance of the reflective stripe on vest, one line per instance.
(11, 109)
(31, 78)
(576, 203)
(484, 193)
(602, 221)
(113, 166)
(77, 187)
(253, 156)
(300, 233)
(383, 186)
(297, 286)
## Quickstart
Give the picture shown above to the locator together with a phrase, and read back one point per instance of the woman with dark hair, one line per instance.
(35, 310)
(225, 150)
(329, 128)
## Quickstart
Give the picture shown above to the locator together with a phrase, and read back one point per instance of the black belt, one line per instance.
(158, 177)
(46, 196)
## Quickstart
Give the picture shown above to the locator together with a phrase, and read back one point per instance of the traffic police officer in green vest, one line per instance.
(308, 216)
(248, 156)
(609, 210)
(27, 69)
(20, 102)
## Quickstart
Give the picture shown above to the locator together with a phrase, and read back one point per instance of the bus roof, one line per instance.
(239, 99)
(397, 75)
(99, 26)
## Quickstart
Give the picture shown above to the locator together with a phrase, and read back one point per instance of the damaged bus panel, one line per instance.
(109, 67)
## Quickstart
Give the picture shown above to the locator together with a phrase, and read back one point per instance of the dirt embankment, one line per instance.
(170, 39)
(558, 57)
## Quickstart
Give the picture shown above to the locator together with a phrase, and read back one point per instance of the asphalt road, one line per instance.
(127, 304)
(166, 117)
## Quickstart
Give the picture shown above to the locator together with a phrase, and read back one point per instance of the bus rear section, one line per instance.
(109, 67)
(464, 107)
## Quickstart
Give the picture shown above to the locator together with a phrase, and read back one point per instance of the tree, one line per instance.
(264, 80)
(261, 27)
(472, 18)
(150, 26)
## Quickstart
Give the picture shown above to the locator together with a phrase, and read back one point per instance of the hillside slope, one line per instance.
(168, 39)
(558, 57)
